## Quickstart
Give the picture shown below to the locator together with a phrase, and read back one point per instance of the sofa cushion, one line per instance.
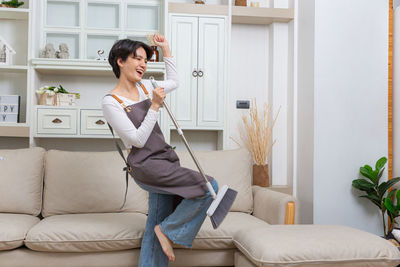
(222, 237)
(85, 182)
(13, 229)
(289, 245)
(87, 232)
(230, 167)
(21, 179)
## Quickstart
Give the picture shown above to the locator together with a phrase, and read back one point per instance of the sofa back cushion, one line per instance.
(88, 182)
(21, 180)
(230, 167)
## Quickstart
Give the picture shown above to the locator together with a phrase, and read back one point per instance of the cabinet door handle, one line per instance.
(100, 122)
(194, 73)
(200, 73)
(56, 120)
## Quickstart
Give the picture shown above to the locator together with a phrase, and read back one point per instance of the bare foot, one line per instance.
(165, 242)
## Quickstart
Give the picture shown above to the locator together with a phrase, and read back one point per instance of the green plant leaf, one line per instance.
(363, 185)
(380, 163)
(373, 198)
(366, 171)
(380, 175)
(398, 199)
(391, 194)
(383, 187)
(375, 176)
(389, 206)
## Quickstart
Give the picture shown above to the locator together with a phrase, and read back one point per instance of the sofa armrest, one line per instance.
(274, 207)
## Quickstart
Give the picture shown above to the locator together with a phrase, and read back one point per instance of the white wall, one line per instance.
(248, 74)
(305, 110)
(350, 106)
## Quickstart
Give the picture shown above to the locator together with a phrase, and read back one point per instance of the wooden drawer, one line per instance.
(56, 121)
(93, 122)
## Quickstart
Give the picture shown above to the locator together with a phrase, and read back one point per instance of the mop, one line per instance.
(223, 200)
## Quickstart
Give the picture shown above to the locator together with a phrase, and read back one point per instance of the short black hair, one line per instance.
(122, 49)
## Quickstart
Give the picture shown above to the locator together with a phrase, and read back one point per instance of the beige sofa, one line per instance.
(60, 208)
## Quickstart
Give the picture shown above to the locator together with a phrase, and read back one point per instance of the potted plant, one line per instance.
(12, 4)
(376, 191)
(56, 96)
(258, 141)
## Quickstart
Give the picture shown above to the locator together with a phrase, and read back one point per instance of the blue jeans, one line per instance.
(181, 225)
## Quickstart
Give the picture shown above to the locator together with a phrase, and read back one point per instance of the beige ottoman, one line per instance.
(312, 245)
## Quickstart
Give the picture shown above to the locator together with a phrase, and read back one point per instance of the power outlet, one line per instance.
(243, 104)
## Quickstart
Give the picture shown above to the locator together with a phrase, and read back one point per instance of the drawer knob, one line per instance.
(56, 120)
(100, 122)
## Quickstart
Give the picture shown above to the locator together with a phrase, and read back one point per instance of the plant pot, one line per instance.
(240, 2)
(260, 175)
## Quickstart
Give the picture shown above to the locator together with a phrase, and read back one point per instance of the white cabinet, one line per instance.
(73, 122)
(198, 43)
(93, 122)
(56, 121)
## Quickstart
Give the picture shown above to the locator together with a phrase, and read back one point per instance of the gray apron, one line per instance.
(156, 164)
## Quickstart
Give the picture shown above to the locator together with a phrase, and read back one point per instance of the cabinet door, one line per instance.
(211, 63)
(184, 49)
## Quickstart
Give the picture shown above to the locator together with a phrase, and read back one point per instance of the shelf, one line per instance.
(198, 9)
(261, 15)
(83, 67)
(14, 129)
(13, 68)
(14, 13)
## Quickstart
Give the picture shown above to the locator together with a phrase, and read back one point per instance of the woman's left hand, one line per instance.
(160, 41)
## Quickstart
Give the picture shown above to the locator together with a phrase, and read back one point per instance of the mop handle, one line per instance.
(164, 104)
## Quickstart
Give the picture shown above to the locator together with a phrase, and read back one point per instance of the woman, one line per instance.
(153, 163)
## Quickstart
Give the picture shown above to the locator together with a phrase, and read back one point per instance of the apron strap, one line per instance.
(128, 168)
(144, 89)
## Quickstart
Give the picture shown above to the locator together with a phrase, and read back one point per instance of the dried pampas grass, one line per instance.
(258, 133)
(149, 38)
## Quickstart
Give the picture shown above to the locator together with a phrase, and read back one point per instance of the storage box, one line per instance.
(65, 99)
(9, 108)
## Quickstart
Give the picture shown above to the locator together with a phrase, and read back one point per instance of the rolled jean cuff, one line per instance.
(173, 239)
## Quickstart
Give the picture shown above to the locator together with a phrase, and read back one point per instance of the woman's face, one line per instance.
(134, 66)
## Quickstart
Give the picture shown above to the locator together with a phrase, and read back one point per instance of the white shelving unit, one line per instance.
(14, 78)
(85, 26)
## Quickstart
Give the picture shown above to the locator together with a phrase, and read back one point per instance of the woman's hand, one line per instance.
(158, 98)
(160, 41)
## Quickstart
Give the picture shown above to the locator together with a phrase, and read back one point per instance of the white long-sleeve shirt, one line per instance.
(118, 119)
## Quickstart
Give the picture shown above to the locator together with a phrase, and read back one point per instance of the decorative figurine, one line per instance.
(63, 53)
(6, 52)
(101, 55)
(48, 51)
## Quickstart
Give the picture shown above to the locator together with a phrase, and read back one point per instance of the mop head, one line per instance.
(221, 205)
